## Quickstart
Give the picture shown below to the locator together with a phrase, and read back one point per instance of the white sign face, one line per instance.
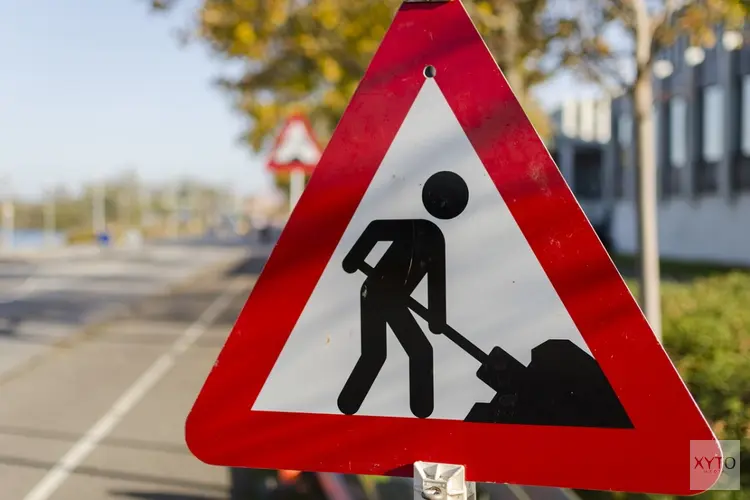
(297, 145)
(497, 293)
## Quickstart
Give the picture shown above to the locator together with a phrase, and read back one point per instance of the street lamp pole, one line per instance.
(296, 186)
(50, 217)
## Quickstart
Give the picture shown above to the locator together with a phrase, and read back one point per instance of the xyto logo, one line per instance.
(713, 469)
(713, 465)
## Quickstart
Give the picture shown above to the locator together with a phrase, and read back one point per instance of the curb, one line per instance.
(119, 313)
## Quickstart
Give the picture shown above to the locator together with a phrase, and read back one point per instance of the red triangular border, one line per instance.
(272, 166)
(654, 457)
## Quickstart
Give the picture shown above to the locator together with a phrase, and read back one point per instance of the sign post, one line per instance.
(437, 216)
(295, 152)
(296, 186)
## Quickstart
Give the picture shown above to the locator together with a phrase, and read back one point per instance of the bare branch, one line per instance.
(624, 11)
(661, 25)
(161, 5)
(665, 17)
(605, 66)
(587, 49)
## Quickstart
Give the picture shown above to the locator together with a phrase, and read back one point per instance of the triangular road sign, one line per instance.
(296, 147)
(544, 371)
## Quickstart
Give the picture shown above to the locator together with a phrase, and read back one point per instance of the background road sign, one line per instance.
(296, 147)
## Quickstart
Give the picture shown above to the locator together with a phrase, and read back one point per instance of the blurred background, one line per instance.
(133, 189)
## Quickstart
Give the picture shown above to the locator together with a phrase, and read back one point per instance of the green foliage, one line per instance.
(310, 56)
(706, 331)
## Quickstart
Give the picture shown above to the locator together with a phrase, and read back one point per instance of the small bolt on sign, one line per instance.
(706, 466)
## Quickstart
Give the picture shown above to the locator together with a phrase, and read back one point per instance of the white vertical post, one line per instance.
(173, 221)
(99, 217)
(50, 222)
(296, 186)
(442, 482)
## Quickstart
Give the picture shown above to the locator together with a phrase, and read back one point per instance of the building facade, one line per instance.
(580, 150)
(702, 132)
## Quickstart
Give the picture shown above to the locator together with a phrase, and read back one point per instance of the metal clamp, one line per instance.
(442, 482)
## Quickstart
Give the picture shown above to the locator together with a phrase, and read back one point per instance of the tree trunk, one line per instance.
(509, 48)
(646, 177)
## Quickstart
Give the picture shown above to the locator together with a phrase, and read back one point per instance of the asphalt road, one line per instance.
(47, 297)
(102, 417)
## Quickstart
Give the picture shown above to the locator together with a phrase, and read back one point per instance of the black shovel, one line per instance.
(563, 385)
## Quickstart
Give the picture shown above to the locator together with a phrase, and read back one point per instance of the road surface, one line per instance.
(46, 297)
(101, 415)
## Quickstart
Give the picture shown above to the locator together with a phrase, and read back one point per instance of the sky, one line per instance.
(91, 87)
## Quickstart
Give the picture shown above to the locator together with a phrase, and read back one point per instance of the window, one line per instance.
(713, 123)
(570, 118)
(625, 129)
(587, 123)
(745, 117)
(678, 131)
(741, 166)
(603, 121)
(677, 146)
(588, 174)
(655, 111)
(624, 136)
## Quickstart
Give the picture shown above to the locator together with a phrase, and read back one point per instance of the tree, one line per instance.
(592, 29)
(310, 56)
